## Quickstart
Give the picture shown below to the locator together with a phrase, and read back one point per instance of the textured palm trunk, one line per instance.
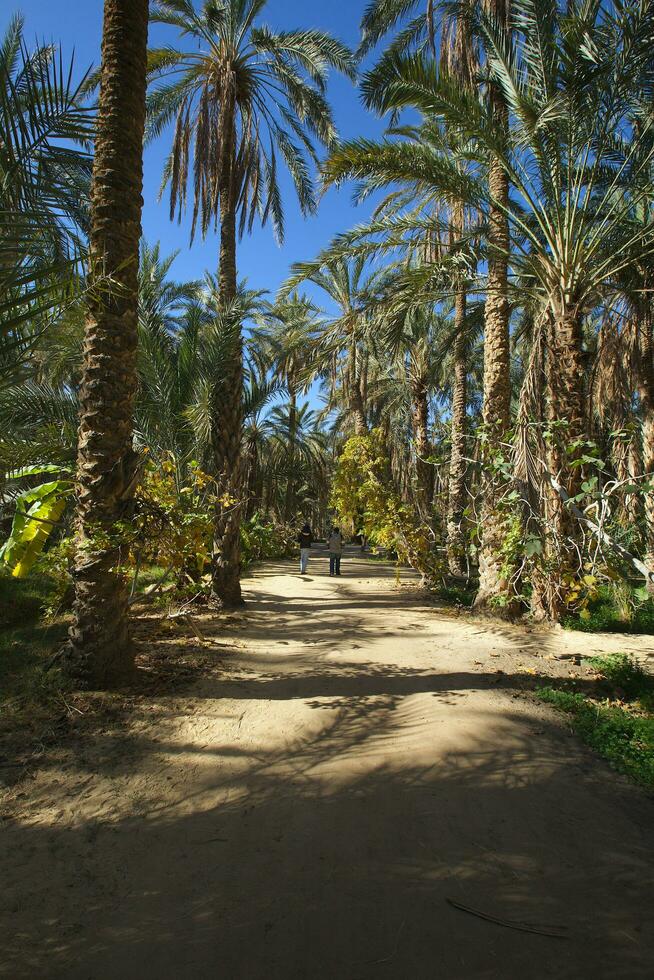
(540, 509)
(457, 477)
(635, 472)
(646, 392)
(424, 470)
(227, 423)
(252, 479)
(357, 405)
(566, 373)
(493, 584)
(620, 450)
(100, 652)
(289, 502)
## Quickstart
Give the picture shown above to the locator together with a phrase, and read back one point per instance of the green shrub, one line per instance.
(625, 677)
(456, 595)
(617, 608)
(27, 644)
(262, 539)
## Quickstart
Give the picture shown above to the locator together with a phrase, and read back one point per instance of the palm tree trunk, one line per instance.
(497, 386)
(458, 467)
(424, 470)
(100, 652)
(289, 502)
(252, 478)
(227, 422)
(566, 373)
(357, 406)
(646, 392)
(635, 471)
(620, 450)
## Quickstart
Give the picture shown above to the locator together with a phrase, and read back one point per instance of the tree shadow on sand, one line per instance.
(333, 854)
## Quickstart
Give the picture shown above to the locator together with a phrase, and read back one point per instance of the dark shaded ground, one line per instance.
(349, 762)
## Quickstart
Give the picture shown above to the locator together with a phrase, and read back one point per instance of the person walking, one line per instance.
(305, 540)
(335, 549)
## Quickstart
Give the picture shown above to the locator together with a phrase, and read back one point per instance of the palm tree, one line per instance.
(298, 454)
(417, 27)
(404, 343)
(45, 167)
(348, 284)
(435, 230)
(577, 184)
(100, 651)
(245, 97)
(458, 465)
(458, 63)
(286, 343)
(259, 477)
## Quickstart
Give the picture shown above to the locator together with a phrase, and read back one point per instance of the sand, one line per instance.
(351, 765)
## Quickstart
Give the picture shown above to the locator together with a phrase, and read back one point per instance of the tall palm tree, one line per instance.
(45, 166)
(286, 342)
(246, 98)
(458, 61)
(100, 650)
(576, 187)
(341, 339)
(298, 445)
(404, 343)
(458, 465)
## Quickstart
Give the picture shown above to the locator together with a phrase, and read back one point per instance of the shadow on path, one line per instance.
(306, 815)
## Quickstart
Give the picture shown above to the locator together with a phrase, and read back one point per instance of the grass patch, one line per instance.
(619, 722)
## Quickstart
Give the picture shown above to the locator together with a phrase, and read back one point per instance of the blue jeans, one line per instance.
(334, 564)
(304, 558)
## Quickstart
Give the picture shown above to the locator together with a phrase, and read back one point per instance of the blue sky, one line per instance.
(77, 25)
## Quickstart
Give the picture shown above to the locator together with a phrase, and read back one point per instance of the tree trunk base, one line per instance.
(226, 604)
(486, 605)
(99, 652)
(95, 666)
(226, 590)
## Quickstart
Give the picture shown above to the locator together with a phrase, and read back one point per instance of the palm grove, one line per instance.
(482, 341)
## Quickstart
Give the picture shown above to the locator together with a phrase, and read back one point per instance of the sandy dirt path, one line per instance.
(350, 764)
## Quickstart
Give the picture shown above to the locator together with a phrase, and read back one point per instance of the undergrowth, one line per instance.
(456, 595)
(27, 643)
(618, 722)
(616, 609)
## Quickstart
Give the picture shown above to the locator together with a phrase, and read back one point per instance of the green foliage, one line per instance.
(456, 595)
(38, 511)
(615, 608)
(172, 525)
(26, 647)
(262, 539)
(46, 127)
(624, 738)
(56, 565)
(625, 678)
(365, 501)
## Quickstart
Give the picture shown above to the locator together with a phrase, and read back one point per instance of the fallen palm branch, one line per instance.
(553, 931)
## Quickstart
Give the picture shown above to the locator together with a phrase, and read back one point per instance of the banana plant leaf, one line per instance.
(38, 511)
